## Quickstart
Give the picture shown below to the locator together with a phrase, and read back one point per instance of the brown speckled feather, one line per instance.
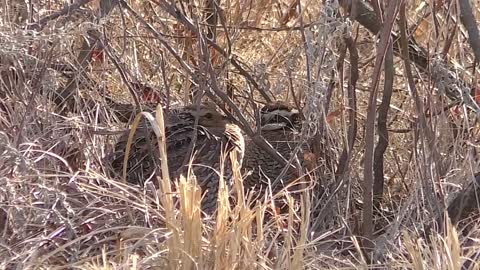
(214, 134)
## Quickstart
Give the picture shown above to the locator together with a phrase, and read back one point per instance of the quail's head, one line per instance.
(278, 114)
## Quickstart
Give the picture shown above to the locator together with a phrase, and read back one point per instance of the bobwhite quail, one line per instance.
(280, 125)
(213, 136)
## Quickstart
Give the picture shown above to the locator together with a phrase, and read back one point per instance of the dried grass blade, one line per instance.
(135, 124)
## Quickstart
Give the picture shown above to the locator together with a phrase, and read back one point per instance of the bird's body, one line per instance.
(204, 145)
(280, 127)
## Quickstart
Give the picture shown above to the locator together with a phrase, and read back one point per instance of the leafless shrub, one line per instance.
(66, 72)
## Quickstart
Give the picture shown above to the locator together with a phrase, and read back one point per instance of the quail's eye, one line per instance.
(208, 115)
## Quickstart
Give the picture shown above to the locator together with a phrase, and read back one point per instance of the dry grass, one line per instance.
(60, 209)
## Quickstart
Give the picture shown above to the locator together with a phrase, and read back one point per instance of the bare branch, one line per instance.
(425, 129)
(382, 144)
(468, 20)
(385, 39)
(417, 54)
(352, 109)
(174, 12)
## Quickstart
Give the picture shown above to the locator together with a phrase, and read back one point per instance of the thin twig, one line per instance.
(38, 26)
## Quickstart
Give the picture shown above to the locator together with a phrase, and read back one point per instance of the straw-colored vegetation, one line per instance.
(71, 76)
